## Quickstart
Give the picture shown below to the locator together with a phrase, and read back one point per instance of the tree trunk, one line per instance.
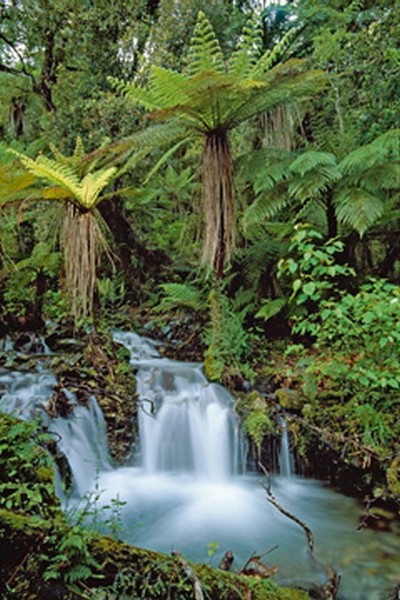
(331, 216)
(218, 201)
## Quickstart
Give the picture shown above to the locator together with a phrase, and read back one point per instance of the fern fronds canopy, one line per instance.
(359, 187)
(212, 97)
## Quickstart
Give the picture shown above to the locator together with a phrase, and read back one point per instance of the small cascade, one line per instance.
(80, 437)
(286, 459)
(188, 487)
(187, 424)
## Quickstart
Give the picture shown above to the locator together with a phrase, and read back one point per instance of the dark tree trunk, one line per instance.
(135, 259)
(331, 216)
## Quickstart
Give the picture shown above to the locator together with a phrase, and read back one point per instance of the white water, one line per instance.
(187, 489)
(81, 436)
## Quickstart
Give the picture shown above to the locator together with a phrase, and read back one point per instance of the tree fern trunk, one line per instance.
(218, 201)
(331, 216)
(82, 242)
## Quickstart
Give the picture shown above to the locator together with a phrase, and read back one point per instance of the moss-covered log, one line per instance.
(30, 548)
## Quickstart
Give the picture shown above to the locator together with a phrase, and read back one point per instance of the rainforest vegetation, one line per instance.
(223, 176)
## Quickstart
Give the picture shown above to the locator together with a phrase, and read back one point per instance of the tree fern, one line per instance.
(82, 238)
(209, 100)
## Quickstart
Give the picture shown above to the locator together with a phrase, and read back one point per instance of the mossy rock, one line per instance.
(123, 571)
(289, 399)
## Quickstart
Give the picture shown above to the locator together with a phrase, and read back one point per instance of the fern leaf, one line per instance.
(53, 172)
(205, 53)
(248, 49)
(384, 147)
(281, 86)
(358, 208)
(167, 87)
(179, 294)
(308, 161)
(93, 184)
(79, 150)
(266, 206)
(313, 183)
(270, 308)
(271, 57)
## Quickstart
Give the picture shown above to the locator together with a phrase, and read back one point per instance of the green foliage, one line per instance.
(350, 380)
(227, 340)
(313, 274)
(177, 295)
(357, 188)
(26, 483)
(257, 425)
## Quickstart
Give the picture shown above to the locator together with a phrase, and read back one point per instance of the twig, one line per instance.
(329, 590)
(271, 498)
(198, 592)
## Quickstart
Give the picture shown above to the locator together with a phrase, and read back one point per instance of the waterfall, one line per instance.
(188, 488)
(286, 460)
(186, 423)
(80, 436)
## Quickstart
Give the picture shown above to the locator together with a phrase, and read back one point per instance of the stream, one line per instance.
(187, 487)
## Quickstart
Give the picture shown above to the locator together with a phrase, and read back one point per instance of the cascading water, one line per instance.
(187, 424)
(186, 488)
(80, 437)
(286, 466)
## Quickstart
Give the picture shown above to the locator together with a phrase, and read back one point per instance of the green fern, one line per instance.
(205, 53)
(248, 49)
(177, 295)
(270, 308)
(358, 208)
(272, 56)
(211, 98)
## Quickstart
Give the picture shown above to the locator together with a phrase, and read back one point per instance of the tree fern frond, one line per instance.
(52, 171)
(273, 174)
(308, 161)
(205, 52)
(358, 208)
(79, 150)
(93, 184)
(385, 176)
(389, 142)
(266, 206)
(167, 87)
(381, 149)
(283, 85)
(313, 183)
(248, 49)
(272, 56)
(13, 182)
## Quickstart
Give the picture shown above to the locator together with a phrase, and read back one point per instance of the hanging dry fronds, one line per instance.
(218, 201)
(277, 127)
(83, 242)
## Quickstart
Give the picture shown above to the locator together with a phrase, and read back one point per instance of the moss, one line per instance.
(289, 399)
(31, 544)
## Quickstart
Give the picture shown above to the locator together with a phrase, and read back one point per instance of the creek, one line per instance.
(187, 487)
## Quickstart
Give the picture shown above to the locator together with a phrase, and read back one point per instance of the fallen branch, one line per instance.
(329, 590)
